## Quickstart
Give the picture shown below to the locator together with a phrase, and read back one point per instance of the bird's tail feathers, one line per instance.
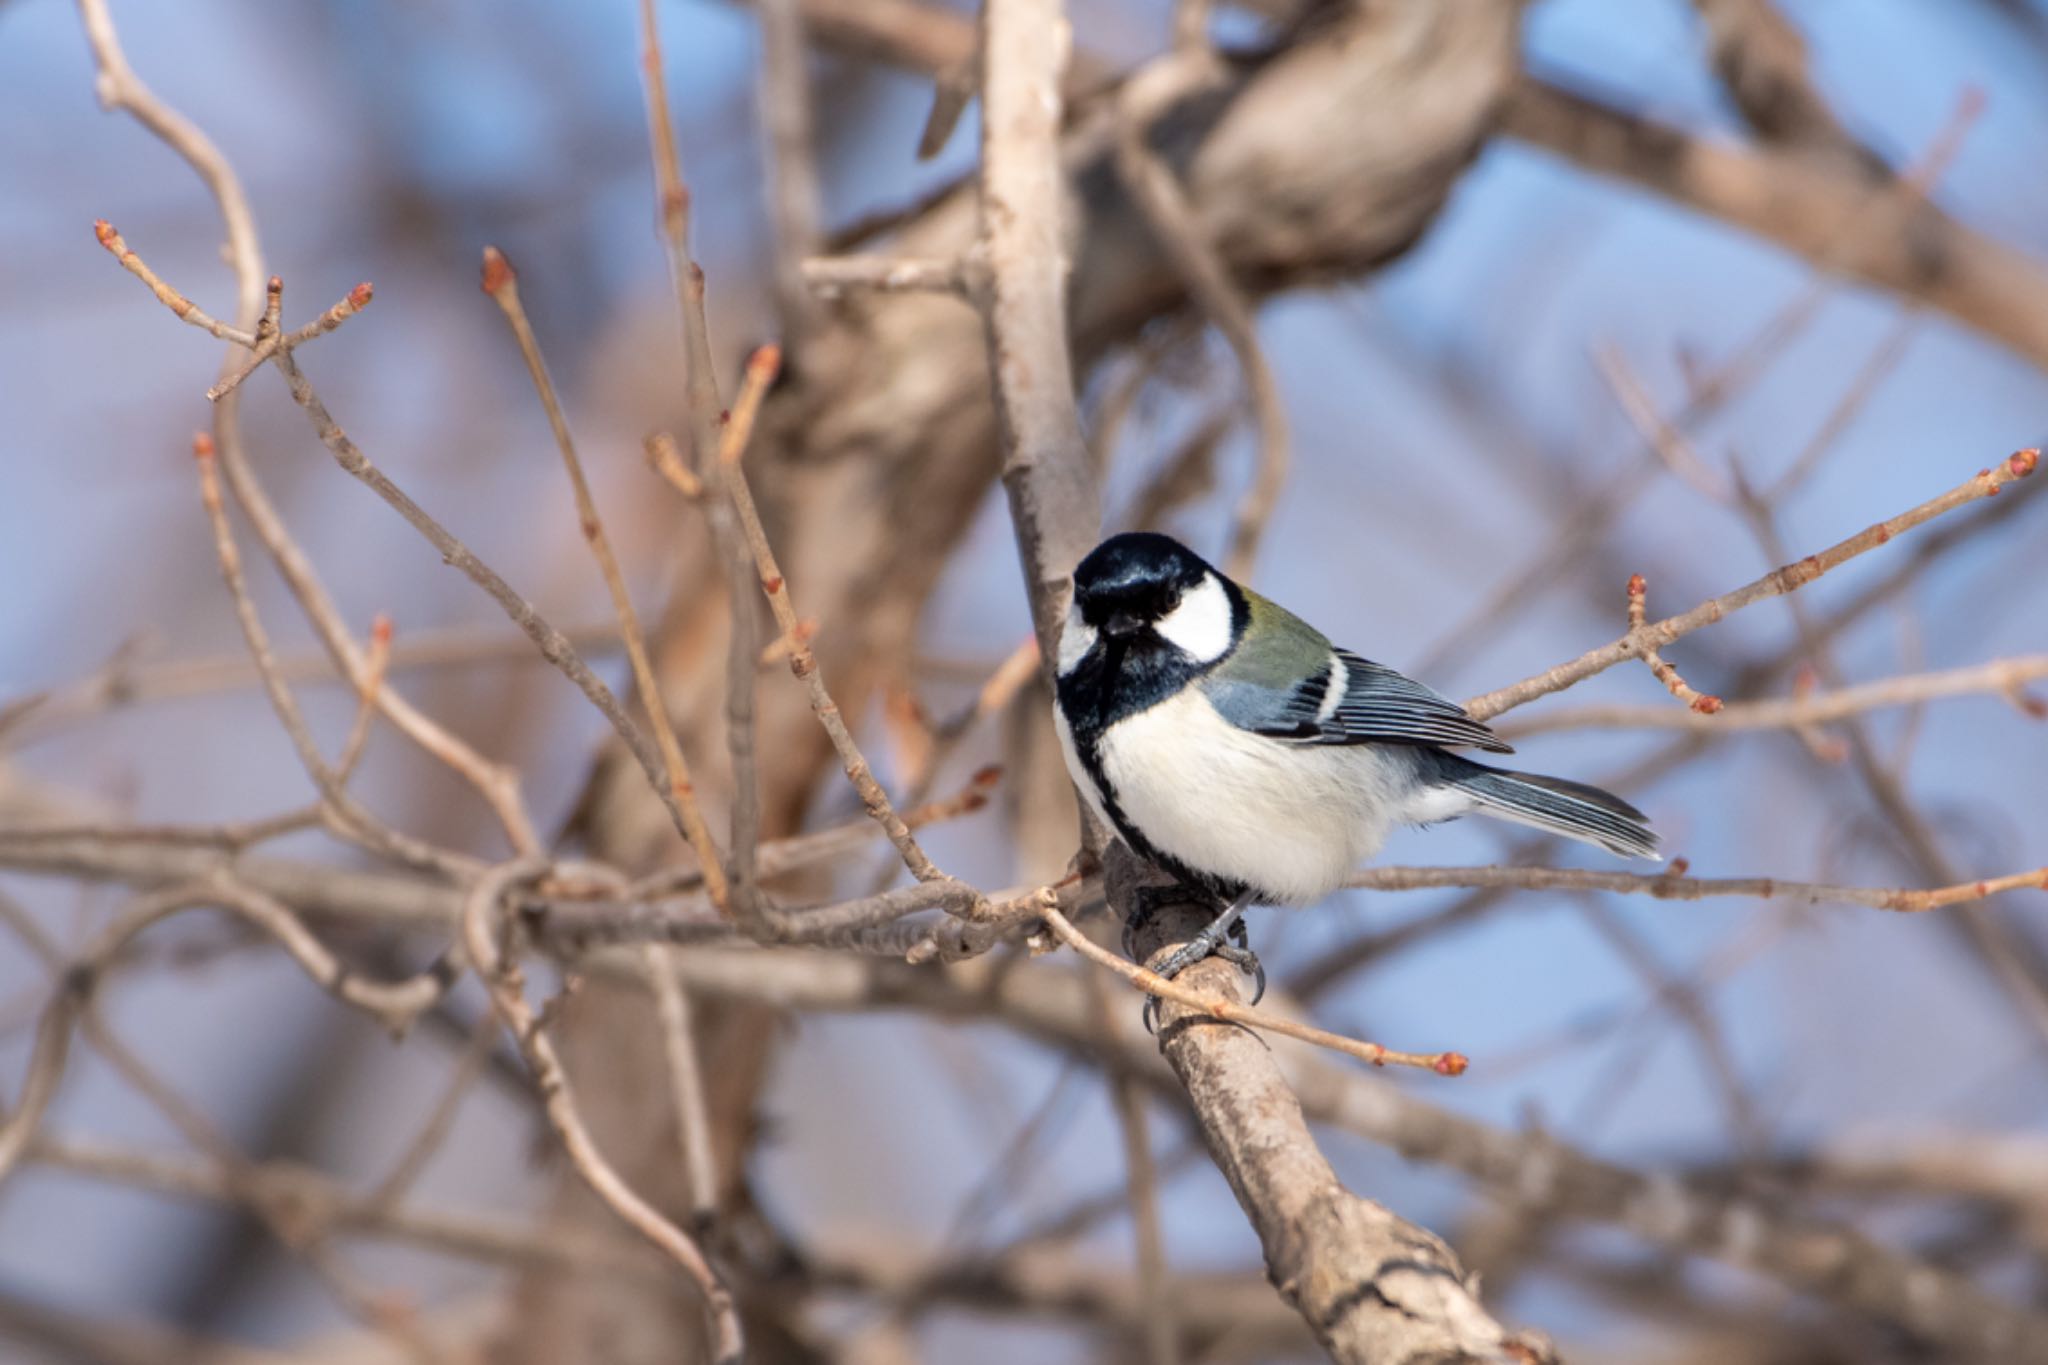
(1573, 809)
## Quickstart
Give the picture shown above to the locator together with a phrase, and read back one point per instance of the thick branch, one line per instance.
(1370, 1286)
(1901, 242)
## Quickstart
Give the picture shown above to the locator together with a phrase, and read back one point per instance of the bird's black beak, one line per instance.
(1121, 625)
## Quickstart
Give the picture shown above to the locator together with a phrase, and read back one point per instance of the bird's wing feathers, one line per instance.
(1349, 700)
(1380, 705)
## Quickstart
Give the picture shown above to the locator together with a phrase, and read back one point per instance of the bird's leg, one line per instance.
(1238, 953)
(1210, 940)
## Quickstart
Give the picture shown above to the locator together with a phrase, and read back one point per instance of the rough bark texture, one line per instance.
(1373, 1287)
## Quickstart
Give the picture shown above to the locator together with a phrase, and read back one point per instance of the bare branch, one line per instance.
(1141, 1180)
(1776, 583)
(834, 275)
(1901, 243)
(1228, 1010)
(1703, 703)
(785, 99)
(2006, 678)
(1674, 886)
(501, 282)
(1152, 185)
(507, 989)
(804, 664)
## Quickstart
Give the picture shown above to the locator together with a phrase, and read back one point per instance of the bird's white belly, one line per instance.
(1291, 821)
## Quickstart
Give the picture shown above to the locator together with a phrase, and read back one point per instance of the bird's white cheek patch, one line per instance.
(1077, 637)
(1200, 624)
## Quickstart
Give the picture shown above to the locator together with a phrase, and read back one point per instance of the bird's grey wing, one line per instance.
(1376, 705)
(1257, 706)
(1349, 701)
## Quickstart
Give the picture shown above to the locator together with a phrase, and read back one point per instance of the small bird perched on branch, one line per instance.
(1230, 743)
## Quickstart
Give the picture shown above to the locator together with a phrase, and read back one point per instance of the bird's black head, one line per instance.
(1149, 617)
(1135, 580)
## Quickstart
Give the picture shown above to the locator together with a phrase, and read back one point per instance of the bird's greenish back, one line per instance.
(1278, 650)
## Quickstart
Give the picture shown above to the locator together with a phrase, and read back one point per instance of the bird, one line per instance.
(1232, 745)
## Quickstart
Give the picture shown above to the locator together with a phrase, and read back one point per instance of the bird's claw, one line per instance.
(1205, 944)
(1246, 961)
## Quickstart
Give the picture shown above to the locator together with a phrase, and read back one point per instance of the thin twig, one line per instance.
(294, 1225)
(1672, 886)
(1442, 1063)
(2006, 678)
(274, 340)
(440, 1120)
(501, 282)
(350, 816)
(182, 307)
(367, 699)
(834, 275)
(1705, 703)
(804, 664)
(1172, 219)
(464, 1235)
(685, 275)
(785, 101)
(553, 645)
(1778, 582)
(664, 459)
(498, 785)
(506, 983)
(685, 1084)
(1141, 1183)
(395, 1004)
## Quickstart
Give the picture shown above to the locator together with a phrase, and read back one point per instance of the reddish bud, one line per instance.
(1636, 586)
(202, 446)
(986, 777)
(1706, 704)
(380, 630)
(1451, 1064)
(2023, 462)
(498, 271)
(104, 230)
(771, 584)
(764, 362)
(1679, 867)
(359, 297)
(276, 285)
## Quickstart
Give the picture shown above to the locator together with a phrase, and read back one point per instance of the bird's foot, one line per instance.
(1245, 960)
(1209, 942)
